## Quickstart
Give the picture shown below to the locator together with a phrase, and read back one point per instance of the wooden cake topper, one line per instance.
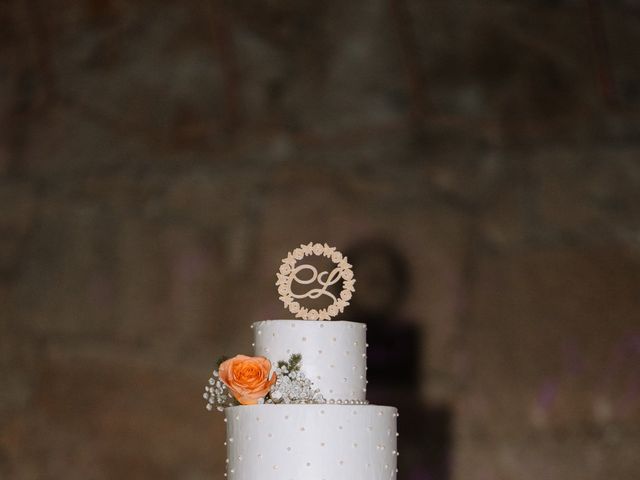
(288, 275)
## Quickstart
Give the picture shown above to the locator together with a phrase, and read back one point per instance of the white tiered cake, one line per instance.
(310, 420)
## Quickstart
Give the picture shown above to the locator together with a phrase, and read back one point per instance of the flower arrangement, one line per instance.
(244, 380)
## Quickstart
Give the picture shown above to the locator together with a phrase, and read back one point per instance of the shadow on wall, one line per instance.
(384, 282)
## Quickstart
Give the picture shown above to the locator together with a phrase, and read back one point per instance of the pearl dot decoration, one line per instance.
(288, 275)
(310, 445)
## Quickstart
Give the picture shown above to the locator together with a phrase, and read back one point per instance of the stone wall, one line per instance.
(157, 159)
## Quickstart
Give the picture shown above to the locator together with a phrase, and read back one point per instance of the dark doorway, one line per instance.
(394, 358)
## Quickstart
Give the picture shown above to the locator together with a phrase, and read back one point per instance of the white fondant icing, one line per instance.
(333, 353)
(311, 442)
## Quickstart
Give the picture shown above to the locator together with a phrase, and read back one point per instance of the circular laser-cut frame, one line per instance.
(290, 269)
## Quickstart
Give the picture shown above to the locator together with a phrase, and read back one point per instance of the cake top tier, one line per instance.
(292, 278)
(333, 355)
(300, 361)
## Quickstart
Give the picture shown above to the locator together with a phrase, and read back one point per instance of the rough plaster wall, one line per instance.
(157, 158)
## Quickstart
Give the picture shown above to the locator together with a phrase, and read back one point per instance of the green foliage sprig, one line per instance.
(293, 365)
(221, 359)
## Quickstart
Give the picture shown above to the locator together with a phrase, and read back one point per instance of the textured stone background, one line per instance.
(158, 157)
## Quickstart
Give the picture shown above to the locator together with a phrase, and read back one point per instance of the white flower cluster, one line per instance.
(293, 386)
(217, 394)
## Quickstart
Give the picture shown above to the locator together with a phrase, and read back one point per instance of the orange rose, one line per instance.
(247, 377)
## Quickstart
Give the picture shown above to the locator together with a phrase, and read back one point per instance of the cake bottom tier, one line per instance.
(311, 442)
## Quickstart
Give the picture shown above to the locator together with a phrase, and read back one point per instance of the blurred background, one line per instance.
(479, 159)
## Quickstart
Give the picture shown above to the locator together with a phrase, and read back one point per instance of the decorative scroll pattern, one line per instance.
(306, 274)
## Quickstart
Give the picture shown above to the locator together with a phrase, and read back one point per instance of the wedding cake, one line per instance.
(297, 409)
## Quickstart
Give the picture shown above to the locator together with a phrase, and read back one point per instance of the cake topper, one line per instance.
(288, 275)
